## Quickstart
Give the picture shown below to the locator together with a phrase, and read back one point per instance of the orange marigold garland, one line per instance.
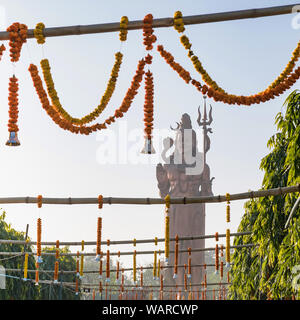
(176, 258)
(98, 247)
(66, 125)
(13, 112)
(39, 239)
(56, 271)
(37, 274)
(149, 37)
(2, 49)
(17, 37)
(107, 267)
(216, 259)
(189, 273)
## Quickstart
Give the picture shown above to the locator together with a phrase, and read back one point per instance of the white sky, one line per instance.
(242, 56)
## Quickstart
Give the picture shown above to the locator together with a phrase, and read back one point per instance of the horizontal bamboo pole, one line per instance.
(128, 253)
(93, 243)
(90, 285)
(162, 22)
(148, 201)
(111, 270)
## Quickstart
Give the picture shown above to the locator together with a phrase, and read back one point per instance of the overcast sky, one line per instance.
(244, 57)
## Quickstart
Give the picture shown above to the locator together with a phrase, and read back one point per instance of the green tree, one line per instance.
(16, 288)
(266, 270)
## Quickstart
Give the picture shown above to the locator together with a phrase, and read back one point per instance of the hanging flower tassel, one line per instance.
(221, 270)
(56, 271)
(17, 37)
(118, 268)
(217, 259)
(155, 265)
(107, 266)
(37, 274)
(134, 266)
(38, 243)
(25, 267)
(148, 113)
(167, 228)
(176, 258)
(189, 273)
(82, 259)
(185, 278)
(142, 278)
(13, 112)
(98, 248)
(227, 248)
(76, 287)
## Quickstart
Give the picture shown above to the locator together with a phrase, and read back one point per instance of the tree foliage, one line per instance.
(15, 289)
(266, 271)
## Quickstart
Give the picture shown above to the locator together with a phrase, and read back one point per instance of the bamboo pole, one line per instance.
(148, 201)
(162, 22)
(92, 254)
(93, 243)
(112, 270)
(90, 285)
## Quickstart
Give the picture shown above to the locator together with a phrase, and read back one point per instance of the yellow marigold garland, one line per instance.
(178, 22)
(104, 100)
(228, 207)
(38, 33)
(283, 82)
(26, 266)
(154, 265)
(123, 28)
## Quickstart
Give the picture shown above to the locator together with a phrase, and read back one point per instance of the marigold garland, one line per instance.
(39, 239)
(2, 49)
(154, 265)
(56, 271)
(26, 266)
(178, 22)
(185, 279)
(176, 258)
(38, 33)
(17, 36)
(76, 286)
(148, 112)
(104, 100)
(228, 207)
(134, 266)
(57, 250)
(217, 236)
(77, 264)
(66, 125)
(221, 269)
(189, 273)
(37, 274)
(98, 247)
(13, 109)
(217, 259)
(107, 266)
(100, 267)
(123, 28)
(149, 37)
(142, 277)
(284, 81)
